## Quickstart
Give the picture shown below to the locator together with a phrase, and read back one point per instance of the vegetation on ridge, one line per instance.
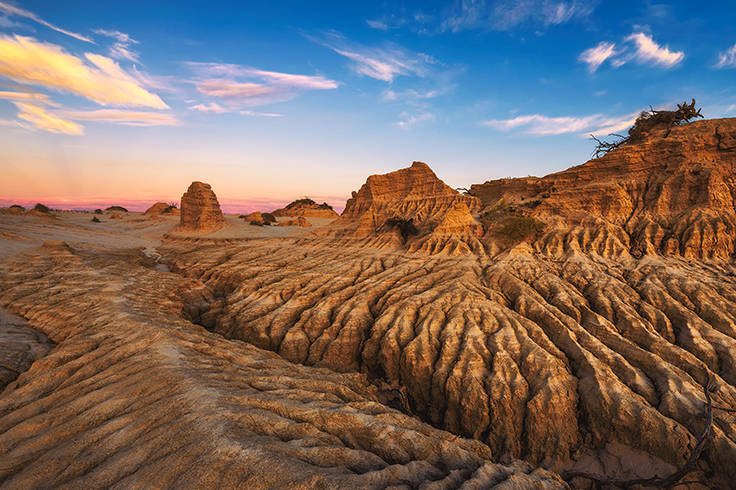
(645, 123)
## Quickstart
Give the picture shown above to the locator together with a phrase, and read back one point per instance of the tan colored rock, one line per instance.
(306, 208)
(256, 217)
(163, 208)
(391, 210)
(671, 194)
(200, 211)
(300, 221)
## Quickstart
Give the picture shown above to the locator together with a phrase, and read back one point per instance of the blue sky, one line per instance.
(105, 102)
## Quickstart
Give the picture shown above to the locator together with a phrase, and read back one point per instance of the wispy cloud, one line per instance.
(12, 11)
(503, 15)
(121, 49)
(98, 78)
(213, 107)
(594, 57)
(40, 118)
(646, 52)
(538, 125)
(25, 97)
(382, 63)
(260, 114)
(410, 120)
(240, 86)
(127, 118)
(727, 59)
(650, 52)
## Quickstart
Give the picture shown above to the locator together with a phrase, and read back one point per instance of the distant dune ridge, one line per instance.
(540, 333)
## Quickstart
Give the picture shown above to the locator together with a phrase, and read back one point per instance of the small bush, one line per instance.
(98, 211)
(404, 225)
(305, 200)
(95, 219)
(518, 228)
(256, 223)
(324, 205)
(169, 209)
(268, 218)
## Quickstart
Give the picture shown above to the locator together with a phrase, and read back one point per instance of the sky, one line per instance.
(127, 103)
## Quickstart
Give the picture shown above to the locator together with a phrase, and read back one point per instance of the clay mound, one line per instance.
(255, 216)
(397, 208)
(134, 396)
(115, 216)
(300, 221)
(307, 208)
(13, 210)
(200, 211)
(162, 208)
(672, 194)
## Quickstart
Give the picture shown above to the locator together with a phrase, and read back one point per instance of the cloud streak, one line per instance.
(539, 125)
(120, 50)
(39, 118)
(98, 78)
(382, 63)
(503, 15)
(127, 118)
(727, 59)
(646, 52)
(19, 12)
(239, 86)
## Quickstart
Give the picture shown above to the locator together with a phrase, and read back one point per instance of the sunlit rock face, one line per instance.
(671, 195)
(200, 210)
(306, 210)
(407, 206)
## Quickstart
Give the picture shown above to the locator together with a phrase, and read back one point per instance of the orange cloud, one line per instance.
(38, 117)
(25, 60)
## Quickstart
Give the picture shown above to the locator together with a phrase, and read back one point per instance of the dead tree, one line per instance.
(647, 122)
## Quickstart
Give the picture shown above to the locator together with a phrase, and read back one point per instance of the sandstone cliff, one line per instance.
(409, 207)
(672, 194)
(200, 211)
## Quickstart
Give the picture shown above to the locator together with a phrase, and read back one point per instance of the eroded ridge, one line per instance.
(134, 396)
(546, 359)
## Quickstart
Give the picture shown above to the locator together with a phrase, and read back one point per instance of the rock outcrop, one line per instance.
(300, 221)
(672, 194)
(200, 211)
(306, 208)
(254, 217)
(162, 208)
(410, 207)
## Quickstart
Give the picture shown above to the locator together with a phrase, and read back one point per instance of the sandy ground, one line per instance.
(19, 233)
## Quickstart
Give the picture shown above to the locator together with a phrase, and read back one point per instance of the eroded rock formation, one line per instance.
(412, 206)
(670, 195)
(300, 221)
(135, 396)
(306, 208)
(200, 211)
(163, 209)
